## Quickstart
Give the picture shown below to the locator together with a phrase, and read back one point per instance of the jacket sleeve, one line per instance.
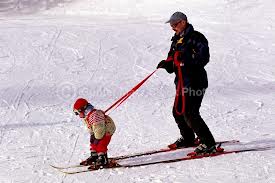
(97, 119)
(110, 125)
(169, 65)
(169, 62)
(199, 52)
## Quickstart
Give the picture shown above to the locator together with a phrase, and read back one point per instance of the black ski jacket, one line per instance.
(194, 54)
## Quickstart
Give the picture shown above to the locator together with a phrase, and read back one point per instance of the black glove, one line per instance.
(93, 140)
(167, 65)
(162, 64)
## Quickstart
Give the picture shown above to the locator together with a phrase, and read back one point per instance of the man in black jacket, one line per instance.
(188, 55)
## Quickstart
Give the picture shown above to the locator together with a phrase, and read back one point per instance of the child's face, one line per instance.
(82, 115)
(79, 113)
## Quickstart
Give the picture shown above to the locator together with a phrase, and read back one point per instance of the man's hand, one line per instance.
(161, 64)
(168, 65)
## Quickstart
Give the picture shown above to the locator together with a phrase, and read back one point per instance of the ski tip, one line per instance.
(172, 146)
(54, 167)
(192, 154)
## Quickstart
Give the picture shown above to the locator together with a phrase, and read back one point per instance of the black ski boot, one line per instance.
(102, 160)
(203, 149)
(91, 160)
(181, 142)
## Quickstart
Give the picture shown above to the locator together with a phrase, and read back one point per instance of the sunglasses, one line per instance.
(79, 113)
(174, 25)
(76, 112)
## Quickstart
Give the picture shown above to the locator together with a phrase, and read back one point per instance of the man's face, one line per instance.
(179, 26)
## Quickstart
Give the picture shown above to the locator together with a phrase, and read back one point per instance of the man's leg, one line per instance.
(194, 120)
(186, 132)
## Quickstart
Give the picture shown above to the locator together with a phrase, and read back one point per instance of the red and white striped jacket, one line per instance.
(99, 124)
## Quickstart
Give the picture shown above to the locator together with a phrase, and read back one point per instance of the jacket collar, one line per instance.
(184, 33)
(187, 31)
(89, 109)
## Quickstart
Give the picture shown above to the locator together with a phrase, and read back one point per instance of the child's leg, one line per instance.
(93, 143)
(102, 150)
(101, 147)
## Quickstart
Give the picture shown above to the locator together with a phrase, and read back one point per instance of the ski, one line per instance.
(198, 156)
(142, 154)
(166, 150)
(117, 165)
(67, 167)
(75, 166)
(89, 168)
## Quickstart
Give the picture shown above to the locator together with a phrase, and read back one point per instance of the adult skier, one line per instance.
(188, 55)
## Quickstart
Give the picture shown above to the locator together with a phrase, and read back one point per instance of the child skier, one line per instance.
(101, 128)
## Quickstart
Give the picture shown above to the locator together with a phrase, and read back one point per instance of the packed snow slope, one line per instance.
(53, 51)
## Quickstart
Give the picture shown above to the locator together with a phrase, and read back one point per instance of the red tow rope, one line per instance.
(180, 86)
(129, 93)
(180, 91)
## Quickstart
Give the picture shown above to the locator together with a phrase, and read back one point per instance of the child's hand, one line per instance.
(93, 140)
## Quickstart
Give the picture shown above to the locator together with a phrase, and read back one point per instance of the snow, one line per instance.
(53, 51)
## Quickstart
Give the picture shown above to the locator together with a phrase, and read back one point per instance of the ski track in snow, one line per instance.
(52, 52)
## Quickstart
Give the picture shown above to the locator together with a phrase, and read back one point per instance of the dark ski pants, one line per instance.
(191, 123)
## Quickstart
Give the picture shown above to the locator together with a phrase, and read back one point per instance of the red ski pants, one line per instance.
(100, 146)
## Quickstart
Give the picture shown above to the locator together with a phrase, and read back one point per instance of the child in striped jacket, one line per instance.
(101, 128)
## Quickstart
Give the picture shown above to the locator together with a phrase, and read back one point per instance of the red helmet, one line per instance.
(80, 105)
